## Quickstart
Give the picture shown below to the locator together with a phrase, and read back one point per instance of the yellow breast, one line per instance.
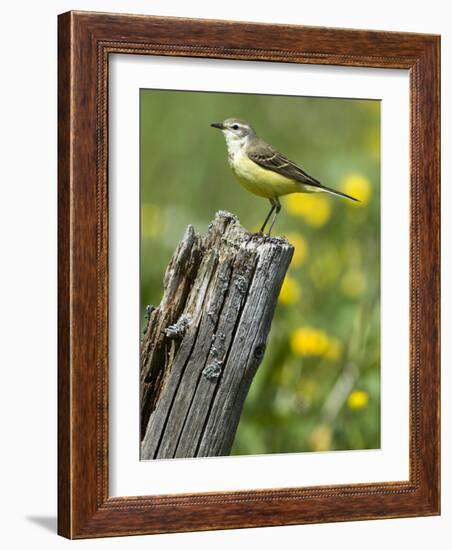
(262, 182)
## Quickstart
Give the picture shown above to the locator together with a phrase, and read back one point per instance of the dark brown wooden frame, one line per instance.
(85, 42)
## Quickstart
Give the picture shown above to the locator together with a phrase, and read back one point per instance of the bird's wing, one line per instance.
(266, 156)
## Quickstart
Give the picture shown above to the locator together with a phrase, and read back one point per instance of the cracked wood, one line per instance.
(203, 344)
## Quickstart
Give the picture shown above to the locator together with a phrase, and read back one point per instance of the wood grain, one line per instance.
(64, 294)
(85, 42)
(224, 286)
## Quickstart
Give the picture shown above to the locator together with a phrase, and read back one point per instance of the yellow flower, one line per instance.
(315, 209)
(357, 186)
(295, 204)
(150, 220)
(319, 212)
(307, 341)
(358, 399)
(320, 438)
(353, 283)
(290, 291)
(301, 248)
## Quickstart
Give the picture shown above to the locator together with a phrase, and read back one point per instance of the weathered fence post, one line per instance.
(204, 342)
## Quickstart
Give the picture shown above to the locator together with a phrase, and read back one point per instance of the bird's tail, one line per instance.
(337, 193)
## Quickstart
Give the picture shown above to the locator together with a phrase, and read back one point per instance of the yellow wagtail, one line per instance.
(264, 171)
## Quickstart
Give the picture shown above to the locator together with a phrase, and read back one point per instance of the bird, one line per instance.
(264, 171)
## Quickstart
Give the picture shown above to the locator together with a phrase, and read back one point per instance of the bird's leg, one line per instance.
(277, 206)
(261, 230)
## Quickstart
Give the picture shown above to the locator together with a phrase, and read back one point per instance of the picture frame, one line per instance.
(85, 42)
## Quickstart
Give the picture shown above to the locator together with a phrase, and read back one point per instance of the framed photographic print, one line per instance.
(248, 275)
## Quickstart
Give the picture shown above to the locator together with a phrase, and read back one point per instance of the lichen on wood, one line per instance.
(203, 343)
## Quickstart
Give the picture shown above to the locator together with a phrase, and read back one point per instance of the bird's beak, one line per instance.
(219, 125)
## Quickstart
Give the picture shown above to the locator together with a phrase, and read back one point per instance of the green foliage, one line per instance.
(318, 387)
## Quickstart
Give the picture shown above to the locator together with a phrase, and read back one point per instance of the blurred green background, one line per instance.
(318, 387)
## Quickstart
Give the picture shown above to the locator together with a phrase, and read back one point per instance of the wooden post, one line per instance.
(204, 342)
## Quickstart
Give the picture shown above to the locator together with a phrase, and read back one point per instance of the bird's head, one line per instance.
(235, 130)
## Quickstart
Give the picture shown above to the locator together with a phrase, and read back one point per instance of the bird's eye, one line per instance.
(235, 127)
